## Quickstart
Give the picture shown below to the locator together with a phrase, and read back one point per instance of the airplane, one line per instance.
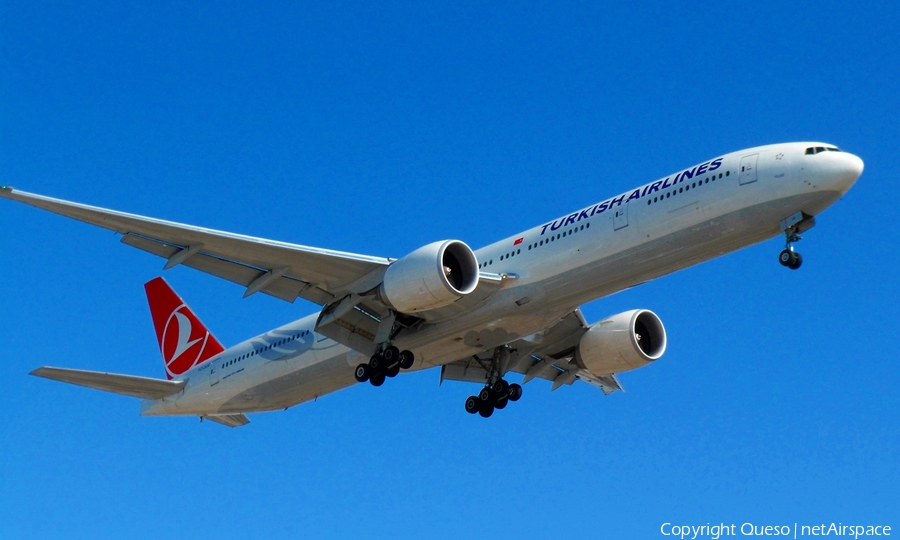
(480, 315)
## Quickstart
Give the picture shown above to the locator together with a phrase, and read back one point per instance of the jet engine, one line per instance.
(430, 277)
(622, 342)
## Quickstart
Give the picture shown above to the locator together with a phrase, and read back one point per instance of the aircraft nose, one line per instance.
(844, 169)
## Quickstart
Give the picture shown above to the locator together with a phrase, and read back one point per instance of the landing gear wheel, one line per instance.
(786, 257)
(390, 354)
(486, 411)
(501, 403)
(377, 379)
(798, 260)
(376, 362)
(485, 395)
(363, 372)
(515, 392)
(406, 359)
(393, 371)
(501, 387)
(473, 405)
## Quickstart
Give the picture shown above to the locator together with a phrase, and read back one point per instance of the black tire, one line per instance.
(486, 395)
(363, 372)
(377, 379)
(486, 411)
(786, 257)
(473, 405)
(407, 358)
(501, 387)
(515, 392)
(501, 403)
(393, 371)
(798, 260)
(391, 354)
(376, 362)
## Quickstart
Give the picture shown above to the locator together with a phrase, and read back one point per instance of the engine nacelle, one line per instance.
(430, 277)
(622, 342)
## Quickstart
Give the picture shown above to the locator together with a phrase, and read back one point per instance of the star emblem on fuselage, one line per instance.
(779, 155)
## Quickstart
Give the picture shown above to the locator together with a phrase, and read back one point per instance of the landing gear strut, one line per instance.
(386, 363)
(497, 393)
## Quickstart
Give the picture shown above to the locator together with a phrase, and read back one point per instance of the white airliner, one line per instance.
(511, 306)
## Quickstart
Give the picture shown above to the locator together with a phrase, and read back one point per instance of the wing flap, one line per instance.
(128, 385)
(230, 420)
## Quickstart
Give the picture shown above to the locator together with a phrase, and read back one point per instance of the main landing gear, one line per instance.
(493, 396)
(792, 227)
(497, 393)
(386, 363)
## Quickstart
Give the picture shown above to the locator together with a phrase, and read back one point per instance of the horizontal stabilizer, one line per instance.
(230, 420)
(129, 385)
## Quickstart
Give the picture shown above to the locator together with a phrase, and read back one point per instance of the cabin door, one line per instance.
(620, 220)
(214, 372)
(748, 169)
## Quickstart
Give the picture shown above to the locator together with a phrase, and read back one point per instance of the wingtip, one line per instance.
(7, 189)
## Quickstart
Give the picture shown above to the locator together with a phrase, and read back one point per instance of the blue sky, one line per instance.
(380, 129)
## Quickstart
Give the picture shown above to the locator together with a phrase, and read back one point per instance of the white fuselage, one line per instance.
(714, 208)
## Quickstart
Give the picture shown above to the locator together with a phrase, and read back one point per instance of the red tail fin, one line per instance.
(184, 341)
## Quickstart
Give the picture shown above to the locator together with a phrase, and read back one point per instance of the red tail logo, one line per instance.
(184, 341)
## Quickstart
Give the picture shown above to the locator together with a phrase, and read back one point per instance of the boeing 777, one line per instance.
(509, 307)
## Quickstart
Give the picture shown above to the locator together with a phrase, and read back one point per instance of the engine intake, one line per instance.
(430, 277)
(622, 342)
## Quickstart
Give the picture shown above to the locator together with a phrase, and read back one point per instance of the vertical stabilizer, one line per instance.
(184, 341)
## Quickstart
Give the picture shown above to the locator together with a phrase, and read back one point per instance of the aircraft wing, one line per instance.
(280, 269)
(549, 355)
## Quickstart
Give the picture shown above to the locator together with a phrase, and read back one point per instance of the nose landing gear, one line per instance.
(792, 227)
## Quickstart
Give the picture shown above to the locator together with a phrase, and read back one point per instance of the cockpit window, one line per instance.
(815, 150)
